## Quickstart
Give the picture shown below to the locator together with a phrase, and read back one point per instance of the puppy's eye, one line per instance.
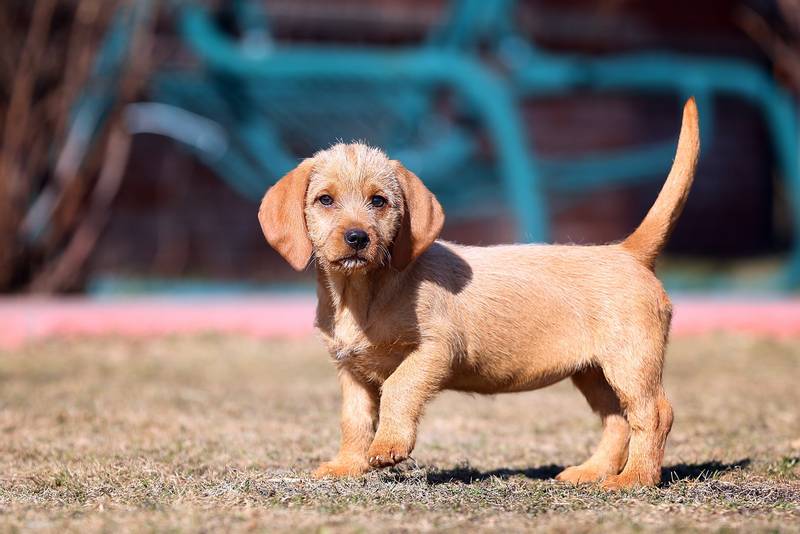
(377, 201)
(325, 200)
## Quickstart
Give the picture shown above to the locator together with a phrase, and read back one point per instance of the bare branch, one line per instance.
(14, 133)
(62, 273)
(786, 55)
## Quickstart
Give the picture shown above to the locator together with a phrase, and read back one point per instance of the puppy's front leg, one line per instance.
(403, 396)
(359, 414)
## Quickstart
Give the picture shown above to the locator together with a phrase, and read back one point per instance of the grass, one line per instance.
(220, 433)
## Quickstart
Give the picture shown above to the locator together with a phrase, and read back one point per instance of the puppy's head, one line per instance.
(353, 208)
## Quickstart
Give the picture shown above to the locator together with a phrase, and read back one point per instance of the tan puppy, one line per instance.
(405, 316)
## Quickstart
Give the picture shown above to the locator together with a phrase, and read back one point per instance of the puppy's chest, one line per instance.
(348, 344)
(347, 340)
(366, 351)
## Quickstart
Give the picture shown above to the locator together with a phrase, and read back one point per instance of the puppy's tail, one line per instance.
(649, 238)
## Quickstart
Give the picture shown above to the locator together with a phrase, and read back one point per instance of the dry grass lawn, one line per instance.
(220, 433)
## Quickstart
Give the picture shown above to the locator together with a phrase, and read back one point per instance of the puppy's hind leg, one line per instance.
(649, 415)
(612, 451)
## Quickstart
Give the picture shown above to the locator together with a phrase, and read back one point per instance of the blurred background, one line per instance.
(137, 137)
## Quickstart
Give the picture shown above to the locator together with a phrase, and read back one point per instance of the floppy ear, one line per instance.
(422, 222)
(282, 216)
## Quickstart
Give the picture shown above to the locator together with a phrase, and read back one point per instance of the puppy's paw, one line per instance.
(340, 468)
(385, 454)
(582, 474)
(628, 481)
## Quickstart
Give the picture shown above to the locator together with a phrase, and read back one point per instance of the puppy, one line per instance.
(405, 316)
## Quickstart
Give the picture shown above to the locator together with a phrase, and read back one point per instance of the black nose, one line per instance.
(357, 239)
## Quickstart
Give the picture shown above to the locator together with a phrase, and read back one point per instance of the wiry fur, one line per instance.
(484, 319)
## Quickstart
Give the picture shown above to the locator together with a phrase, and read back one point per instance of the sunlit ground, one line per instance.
(210, 432)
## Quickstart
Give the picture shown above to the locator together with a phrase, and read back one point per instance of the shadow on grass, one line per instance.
(669, 475)
(679, 472)
(468, 474)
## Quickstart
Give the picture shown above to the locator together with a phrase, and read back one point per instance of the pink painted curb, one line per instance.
(767, 317)
(27, 319)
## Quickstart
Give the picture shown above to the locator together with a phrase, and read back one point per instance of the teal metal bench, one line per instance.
(387, 96)
(535, 73)
(251, 97)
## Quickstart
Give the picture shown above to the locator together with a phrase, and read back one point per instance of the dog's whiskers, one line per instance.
(384, 255)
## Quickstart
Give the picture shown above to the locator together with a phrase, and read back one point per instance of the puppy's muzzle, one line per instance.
(356, 239)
